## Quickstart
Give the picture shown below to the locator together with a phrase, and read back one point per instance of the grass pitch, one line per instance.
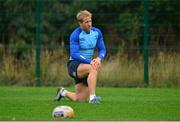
(31, 103)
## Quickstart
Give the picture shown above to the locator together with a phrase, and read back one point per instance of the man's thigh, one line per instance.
(83, 70)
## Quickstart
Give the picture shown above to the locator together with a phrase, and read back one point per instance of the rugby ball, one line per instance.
(63, 112)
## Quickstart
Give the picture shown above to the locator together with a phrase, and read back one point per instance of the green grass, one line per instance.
(31, 103)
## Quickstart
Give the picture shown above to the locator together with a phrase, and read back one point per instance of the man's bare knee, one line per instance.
(93, 71)
(81, 98)
(78, 99)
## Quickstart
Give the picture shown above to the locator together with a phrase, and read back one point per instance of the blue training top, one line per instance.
(82, 45)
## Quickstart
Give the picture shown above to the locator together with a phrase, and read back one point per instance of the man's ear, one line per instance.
(80, 23)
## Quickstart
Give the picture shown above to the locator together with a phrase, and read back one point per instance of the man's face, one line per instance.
(86, 24)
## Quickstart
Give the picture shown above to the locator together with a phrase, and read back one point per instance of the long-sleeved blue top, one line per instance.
(82, 45)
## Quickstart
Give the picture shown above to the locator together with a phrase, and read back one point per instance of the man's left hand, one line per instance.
(96, 63)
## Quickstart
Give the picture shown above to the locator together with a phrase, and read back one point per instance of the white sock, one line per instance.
(91, 96)
(64, 93)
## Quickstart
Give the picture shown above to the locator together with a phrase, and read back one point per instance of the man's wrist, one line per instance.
(98, 60)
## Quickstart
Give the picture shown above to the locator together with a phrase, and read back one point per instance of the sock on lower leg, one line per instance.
(92, 96)
(64, 93)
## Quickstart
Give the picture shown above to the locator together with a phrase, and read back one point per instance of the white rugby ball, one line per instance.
(63, 112)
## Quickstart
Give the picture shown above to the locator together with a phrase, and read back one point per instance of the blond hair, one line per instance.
(82, 14)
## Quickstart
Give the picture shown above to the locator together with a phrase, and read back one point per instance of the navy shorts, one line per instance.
(72, 70)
